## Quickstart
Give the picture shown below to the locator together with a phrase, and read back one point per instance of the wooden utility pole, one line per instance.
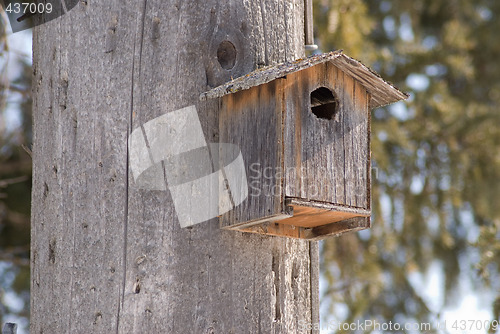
(108, 257)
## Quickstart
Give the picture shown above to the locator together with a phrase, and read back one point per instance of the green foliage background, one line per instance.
(436, 181)
(15, 183)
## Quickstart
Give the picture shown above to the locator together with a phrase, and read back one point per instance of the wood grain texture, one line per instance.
(326, 160)
(306, 216)
(108, 257)
(252, 120)
(336, 76)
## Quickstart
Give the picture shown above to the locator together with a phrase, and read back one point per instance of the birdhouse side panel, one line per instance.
(356, 143)
(326, 148)
(252, 119)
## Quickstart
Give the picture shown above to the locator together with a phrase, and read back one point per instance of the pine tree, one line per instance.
(436, 161)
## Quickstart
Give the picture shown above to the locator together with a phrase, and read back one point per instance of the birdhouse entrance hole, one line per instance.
(324, 104)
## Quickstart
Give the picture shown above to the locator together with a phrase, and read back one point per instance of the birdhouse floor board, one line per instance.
(309, 220)
(300, 202)
(311, 217)
(307, 233)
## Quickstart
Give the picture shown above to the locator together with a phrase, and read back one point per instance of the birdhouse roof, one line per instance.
(382, 92)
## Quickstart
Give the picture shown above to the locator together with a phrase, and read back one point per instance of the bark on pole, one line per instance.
(108, 257)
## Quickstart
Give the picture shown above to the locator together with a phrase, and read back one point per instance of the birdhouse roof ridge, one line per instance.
(382, 92)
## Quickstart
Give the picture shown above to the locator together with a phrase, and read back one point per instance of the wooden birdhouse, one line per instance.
(304, 133)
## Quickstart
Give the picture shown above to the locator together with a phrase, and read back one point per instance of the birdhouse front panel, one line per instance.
(327, 138)
(304, 133)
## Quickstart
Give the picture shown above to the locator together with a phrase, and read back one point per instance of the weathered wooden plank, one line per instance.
(294, 95)
(252, 120)
(322, 138)
(338, 156)
(325, 160)
(369, 153)
(108, 257)
(361, 139)
(322, 148)
(308, 139)
(80, 166)
(314, 145)
(311, 217)
(349, 123)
